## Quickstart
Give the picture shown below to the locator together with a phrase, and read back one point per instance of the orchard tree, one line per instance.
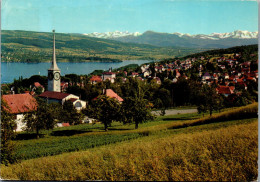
(8, 126)
(41, 118)
(209, 100)
(69, 114)
(106, 110)
(136, 110)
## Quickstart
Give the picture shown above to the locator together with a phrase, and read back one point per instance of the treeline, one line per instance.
(245, 50)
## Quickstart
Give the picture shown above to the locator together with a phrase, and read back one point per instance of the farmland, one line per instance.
(178, 147)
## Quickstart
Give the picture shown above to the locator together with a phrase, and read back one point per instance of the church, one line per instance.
(54, 93)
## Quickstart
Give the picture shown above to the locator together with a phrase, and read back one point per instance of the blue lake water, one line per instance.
(11, 71)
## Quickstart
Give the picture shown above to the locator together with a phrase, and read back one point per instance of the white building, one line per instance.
(60, 97)
(18, 105)
(109, 76)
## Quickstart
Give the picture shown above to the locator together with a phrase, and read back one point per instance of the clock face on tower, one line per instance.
(57, 76)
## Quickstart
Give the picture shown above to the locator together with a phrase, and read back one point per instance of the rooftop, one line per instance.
(20, 103)
(112, 94)
(54, 95)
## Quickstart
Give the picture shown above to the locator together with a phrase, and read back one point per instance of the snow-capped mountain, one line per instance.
(216, 36)
(214, 40)
(109, 35)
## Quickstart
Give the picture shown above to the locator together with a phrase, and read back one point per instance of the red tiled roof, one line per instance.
(65, 124)
(232, 88)
(37, 84)
(250, 78)
(29, 92)
(108, 73)
(239, 80)
(224, 90)
(73, 100)
(96, 78)
(20, 103)
(134, 73)
(64, 84)
(54, 95)
(112, 94)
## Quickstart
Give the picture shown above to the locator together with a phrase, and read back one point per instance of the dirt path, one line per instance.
(175, 111)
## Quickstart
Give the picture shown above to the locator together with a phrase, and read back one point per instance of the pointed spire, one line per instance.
(54, 64)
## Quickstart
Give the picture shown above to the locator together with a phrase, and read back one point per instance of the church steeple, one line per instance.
(54, 72)
(54, 64)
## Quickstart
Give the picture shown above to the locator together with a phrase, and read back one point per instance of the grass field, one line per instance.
(178, 148)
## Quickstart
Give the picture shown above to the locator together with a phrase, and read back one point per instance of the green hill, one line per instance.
(181, 147)
(28, 46)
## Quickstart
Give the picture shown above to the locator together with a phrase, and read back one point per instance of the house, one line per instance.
(64, 86)
(226, 76)
(144, 67)
(112, 94)
(222, 66)
(37, 85)
(134, 74)
(95, 79)
(175, 80)
(125, 72)
(29, 92)
(18, 105)
(59, 97)
(225, 90)
(206, 76)
(215, 76)
(109, 76)
(157, 80)
(146, 73)
(177, 73)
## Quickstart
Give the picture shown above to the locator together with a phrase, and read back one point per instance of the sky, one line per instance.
(88, 16)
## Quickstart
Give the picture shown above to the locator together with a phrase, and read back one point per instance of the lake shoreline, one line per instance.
(14, 70)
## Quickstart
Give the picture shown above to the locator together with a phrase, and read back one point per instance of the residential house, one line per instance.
(37, 85)
(206, 76)
(60, 97)
(146, 73)
(134, 74)
(112, 94)
(226, 76)
(18, 105)
(95, 79)
(109, 76)
(64, 86)
(178, 74)
(158, 69)
(225, 90)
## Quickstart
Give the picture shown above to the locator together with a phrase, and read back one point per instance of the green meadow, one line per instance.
(183, 147)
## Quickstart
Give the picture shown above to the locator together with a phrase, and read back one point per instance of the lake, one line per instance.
(11, 71)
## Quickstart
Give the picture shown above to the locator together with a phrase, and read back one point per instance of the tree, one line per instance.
(136, 110)
(208, 100)
(106, 110)
(8, 126)
(69, 114)
(41, 118)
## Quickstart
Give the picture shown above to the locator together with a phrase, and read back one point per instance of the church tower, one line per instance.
(54, 72)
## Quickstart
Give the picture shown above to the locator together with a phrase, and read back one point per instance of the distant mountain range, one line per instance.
(214, 40)
(111, 35)
(29, 46)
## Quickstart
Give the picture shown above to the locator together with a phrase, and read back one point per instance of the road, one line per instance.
(175, 111)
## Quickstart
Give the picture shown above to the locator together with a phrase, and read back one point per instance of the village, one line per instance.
(229, 76)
